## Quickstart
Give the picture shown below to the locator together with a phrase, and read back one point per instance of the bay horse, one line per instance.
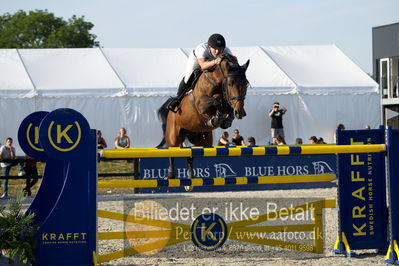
(217, 98)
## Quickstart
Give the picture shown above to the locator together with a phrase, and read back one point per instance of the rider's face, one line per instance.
(215, 52)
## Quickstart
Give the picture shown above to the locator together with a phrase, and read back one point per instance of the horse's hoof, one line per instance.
(171, 175)
(188, 188)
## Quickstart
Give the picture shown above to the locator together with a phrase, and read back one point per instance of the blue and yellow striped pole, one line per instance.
(196, 182)
(241, 151)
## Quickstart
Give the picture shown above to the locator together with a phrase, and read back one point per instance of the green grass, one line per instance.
(119, 166)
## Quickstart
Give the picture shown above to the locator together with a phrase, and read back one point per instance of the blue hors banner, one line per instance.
(254, 166)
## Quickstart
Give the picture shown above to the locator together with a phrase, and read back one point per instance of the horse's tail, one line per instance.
(162, 115)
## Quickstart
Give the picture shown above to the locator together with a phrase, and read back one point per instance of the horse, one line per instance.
(216, 99)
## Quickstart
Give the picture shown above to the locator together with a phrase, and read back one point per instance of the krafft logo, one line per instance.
(33, 141)
(62, 132)
(64, 238)
(60, 136)
(209, 231)
(28, 135)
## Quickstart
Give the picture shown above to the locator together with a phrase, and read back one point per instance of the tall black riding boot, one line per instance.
(175, 101)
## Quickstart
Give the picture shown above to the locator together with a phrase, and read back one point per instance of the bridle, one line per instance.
(225, 90)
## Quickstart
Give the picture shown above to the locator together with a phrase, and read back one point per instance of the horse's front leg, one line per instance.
(207, 104)
(171, 169)
(212, 106)
(227, 122)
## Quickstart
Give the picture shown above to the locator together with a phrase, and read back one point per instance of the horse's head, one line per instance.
(234, 84)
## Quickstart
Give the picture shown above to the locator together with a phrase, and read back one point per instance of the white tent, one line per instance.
(319, 85)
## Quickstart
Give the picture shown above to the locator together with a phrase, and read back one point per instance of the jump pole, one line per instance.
(241, 151)
(197, 182)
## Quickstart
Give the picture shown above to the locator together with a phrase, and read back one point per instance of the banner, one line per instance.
(362, 193)
(249, 166)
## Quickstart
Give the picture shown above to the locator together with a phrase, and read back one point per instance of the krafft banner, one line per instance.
(362, 193)
(251, 166)
(65, 205)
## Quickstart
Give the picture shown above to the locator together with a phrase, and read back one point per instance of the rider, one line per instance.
(204, 56)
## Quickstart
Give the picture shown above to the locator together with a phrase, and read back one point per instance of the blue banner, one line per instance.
(362, 192)
(393, 179)
(253, 166)
(65, 205)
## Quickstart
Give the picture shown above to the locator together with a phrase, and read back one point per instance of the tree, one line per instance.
(41, 29)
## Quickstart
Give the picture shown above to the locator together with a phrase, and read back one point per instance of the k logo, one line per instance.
(209, 231)
(63, 133)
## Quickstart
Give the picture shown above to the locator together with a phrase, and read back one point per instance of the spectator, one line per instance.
(321, 141)
(237, 139)
(298, 141)
(367, 127)
(277, 120)
(339, 127)
(122, 141)
(280, 140)
(313, 140)
(101, 144)
(224, 139)
(251, 141)
(7, 151)
(31, 175)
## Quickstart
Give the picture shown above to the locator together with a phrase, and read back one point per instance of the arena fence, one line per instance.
(65, 205)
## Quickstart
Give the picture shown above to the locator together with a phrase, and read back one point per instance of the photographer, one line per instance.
(277, 120)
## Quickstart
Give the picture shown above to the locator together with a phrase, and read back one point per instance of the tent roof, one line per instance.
(14, 79)
(274, 70)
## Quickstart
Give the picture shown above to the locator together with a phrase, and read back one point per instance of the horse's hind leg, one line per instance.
(171, 169)
(190, 167)
(173, 139)
(190, 172)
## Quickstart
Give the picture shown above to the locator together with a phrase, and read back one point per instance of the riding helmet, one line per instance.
(217, 41)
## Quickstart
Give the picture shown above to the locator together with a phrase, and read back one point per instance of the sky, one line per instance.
(186, 23)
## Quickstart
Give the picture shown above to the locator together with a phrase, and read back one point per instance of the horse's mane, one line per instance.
(225, 56)
(229, 57)
(234, 68)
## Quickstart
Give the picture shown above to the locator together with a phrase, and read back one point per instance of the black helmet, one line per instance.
(217, 41)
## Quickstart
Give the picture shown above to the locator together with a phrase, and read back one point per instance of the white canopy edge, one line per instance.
(144, 72)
